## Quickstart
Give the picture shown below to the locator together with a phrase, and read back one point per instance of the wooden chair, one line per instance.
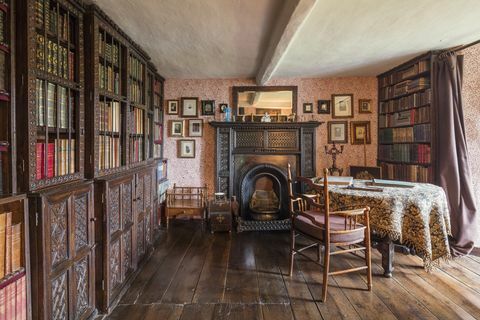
(338, 230)
(186, 201)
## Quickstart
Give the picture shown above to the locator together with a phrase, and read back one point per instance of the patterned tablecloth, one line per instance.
(418, 216)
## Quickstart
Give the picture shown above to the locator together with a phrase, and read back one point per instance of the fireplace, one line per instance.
(251, 164)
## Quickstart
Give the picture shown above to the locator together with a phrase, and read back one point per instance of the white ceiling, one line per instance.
(231, 38)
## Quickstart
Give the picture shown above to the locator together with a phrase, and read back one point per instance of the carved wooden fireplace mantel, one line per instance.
(246, 147)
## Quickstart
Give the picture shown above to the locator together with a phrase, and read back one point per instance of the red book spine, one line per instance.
(10, 303)
(40, 160)
(51, 160)
(2, 304)
(20, 299)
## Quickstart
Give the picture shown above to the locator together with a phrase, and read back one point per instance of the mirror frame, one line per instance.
(237, 90)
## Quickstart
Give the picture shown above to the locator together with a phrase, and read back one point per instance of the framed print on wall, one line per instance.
(337, 131)
(342, 105)
(176, 128)
(189, 108)
(195, 128)
(208, 107)
(324, 106)
(365, 106)
(223, 107)
(172, 106)
(308, 107)
(360, 132)
(186, 149)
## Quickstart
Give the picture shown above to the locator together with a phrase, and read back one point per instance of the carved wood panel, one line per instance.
(249, 139)
(60, 297)
(114, 264)
(59, 232)
(223, 152)
(148, 227)
(127, 204)
(148, 190)
(81, 222)
(309, 153)
(140, 238)
(140, 193)
(283, 139)
(127, 252)
(114, 208)
(82, 275)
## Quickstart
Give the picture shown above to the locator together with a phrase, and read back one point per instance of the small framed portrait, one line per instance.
(342, 105)
(308, 107)
(172, 106)
(324, 106)
(186, 149)
(337, 131)
(360, 132)
(189, 107)
(195, 128)
(208, 107)
(365, 106)
(176, 128)
(223, 107)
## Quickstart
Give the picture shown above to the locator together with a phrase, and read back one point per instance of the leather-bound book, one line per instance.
(16, 247)
(3, 222)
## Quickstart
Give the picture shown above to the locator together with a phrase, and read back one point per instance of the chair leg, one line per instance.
(326, 269)
(368, 257)
(292, 251)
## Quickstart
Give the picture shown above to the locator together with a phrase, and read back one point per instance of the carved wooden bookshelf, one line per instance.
(406, 121)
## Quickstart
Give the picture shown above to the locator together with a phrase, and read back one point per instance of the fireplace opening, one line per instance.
(264, 194)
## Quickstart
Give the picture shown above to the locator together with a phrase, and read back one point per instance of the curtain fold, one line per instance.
(452, 170)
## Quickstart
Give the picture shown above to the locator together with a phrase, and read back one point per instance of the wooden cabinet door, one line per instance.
(144, 211)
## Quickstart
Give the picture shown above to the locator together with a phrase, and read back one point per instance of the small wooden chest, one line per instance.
(220, 216)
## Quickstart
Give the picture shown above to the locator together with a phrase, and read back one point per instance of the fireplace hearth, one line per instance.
(251, 164)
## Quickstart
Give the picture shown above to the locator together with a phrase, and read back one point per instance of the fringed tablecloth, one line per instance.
(417, 217)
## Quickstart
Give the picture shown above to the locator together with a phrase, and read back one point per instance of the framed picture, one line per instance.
(176, 128)
(337, 132)
(342, 105)
(223, 106)
(189, 107)
(308, 107)
(365, 106)
(360, 132)
(195, 128)
(172, 106)
(208, 107)
(186, 149)
(324, 106)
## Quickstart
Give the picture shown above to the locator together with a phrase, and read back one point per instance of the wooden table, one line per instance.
(417, 217)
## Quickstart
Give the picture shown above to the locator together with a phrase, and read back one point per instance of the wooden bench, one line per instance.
(186, 201)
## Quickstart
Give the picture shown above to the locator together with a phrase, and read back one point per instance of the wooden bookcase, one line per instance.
(406, 121)
(15, 285)
(158, 117)
(62, 252)
(7, 98)
(50, 93)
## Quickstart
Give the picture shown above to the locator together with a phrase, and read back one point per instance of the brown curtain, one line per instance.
(452, 171)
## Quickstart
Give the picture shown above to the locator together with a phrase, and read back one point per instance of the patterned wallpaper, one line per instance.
(471, 109)
(201, 170)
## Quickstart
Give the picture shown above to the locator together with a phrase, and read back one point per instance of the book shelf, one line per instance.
(158, 117)
(15, 281)
(405, 121)
(51, 99)
(138, 108)
(7, 113)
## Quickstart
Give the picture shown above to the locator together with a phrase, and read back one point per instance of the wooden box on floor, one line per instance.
(124, 234)
(62, 255)
(220, 216)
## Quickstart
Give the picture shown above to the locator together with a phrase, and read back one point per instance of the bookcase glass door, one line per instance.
(138, 109)
(157, 119)
(57, 92)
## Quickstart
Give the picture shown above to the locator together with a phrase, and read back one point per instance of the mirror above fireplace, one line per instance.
(258, 100)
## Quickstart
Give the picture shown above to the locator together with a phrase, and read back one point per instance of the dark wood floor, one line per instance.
(196, 275)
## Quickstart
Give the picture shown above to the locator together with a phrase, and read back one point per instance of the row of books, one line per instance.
(136, 68)
(58, 61)
(404, 87)
(10, 245)
(109, 152)
(417, 99)
(136, 91)
(3, 72)
(3, 21)
(107, 50)
(403, 118)
(416, 133)
(56, 23)
(136, 149)
(420, 153)
(138, 121)
(57, 102)
(413, 173)
(417, 68)
(13, 297)
(55, 158)
(109, 78)
(110, 116)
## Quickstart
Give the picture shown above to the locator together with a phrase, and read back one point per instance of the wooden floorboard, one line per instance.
(193, 274)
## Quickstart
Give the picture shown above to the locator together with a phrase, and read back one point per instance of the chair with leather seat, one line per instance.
(336, 232)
